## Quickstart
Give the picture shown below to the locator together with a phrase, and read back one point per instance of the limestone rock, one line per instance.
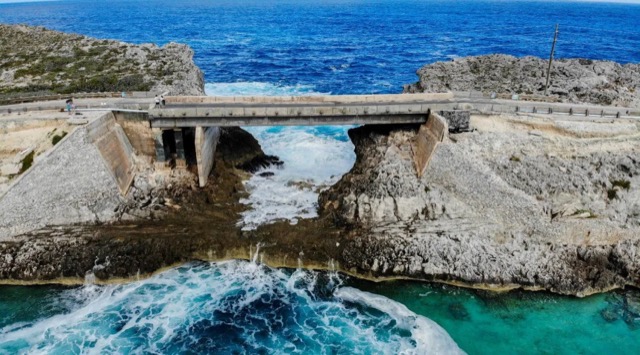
(497, 207)
(70, 63)
(572, 80)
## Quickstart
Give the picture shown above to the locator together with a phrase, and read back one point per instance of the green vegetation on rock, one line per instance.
(57, 138)
(37, 60)
(27, 162)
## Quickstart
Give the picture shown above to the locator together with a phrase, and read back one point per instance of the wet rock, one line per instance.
(458, 311)
(610, 314)
(260, 162)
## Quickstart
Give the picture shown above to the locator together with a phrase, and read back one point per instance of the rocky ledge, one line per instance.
(37, 60)
(519, 202)
(572, 80)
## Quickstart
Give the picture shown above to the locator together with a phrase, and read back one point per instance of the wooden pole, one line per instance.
(553, 48)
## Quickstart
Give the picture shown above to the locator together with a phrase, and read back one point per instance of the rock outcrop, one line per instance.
(37, 60)
(517, 202)
(572, 80)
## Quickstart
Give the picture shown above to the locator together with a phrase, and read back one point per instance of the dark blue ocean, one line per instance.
(345, 46)
(287, 47)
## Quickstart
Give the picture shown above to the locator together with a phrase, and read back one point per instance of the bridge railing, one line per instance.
(319, 99)
(26, 98)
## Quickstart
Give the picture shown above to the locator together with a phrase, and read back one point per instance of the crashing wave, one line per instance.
(231, 307)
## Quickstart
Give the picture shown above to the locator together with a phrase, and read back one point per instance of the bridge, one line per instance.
(206, 114)
(186, 131)
(202, 117)
(297, 110)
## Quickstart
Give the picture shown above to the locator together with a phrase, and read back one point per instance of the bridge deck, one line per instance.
(309, 110)
(207, 111)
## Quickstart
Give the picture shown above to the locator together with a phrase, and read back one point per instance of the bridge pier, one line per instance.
(179, 155)
(206, 141)
(162, 155)
(184, 146)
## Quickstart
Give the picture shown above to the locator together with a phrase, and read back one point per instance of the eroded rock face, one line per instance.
(497, 206)
(377, 189)
(573, 80)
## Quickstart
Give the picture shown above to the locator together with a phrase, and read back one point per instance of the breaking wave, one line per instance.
(231, 307)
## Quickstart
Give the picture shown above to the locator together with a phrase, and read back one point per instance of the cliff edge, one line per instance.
(38, 60)
(522, 200)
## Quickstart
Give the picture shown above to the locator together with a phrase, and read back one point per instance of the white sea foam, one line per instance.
(429, 336)
(311, 162)
(245, 88)
(231, 307)
(314, 158)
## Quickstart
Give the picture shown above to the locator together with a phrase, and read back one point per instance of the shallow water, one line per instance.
(241, 306)
(519, 321)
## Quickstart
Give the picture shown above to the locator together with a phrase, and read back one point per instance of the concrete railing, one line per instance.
(323, 99)
(54, 97)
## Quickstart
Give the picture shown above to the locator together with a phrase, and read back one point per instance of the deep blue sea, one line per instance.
(289, 47)
(345, 46)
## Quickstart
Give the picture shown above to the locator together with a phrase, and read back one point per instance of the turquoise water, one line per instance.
(238, 307)
(521, 322)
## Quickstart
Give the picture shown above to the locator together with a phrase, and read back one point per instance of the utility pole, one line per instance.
(553, 48)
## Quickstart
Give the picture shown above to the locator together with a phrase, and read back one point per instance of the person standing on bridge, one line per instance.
(162, 100)
(157, 101)
(69, 103)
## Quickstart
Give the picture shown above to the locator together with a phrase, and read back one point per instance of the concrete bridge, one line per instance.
(297, 110)
(195, 121)
(186, 131)
(198, 119)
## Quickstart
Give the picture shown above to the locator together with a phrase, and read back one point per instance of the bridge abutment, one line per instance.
(429, 136)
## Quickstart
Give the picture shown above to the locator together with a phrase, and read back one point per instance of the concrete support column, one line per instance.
(161, 152)
(180, 159)
(206, 142)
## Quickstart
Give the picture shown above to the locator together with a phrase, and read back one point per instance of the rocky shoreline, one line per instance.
(509, 202)
(572, 80)
(434, 233)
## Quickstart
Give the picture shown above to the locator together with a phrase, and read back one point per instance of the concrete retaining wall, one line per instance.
(141, 136)
(115, 149)
(429, 135)
(68, 184)
(206, 142)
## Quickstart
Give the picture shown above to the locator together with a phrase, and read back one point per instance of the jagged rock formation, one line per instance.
(572, 80)
(521, 201)
(34, 59)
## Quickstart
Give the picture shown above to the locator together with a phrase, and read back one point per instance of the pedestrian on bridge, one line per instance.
(157, 101)
(70, 105)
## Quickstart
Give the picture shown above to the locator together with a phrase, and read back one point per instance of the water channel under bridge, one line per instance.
(183, 119)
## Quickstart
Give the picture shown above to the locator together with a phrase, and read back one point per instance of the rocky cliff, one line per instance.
(572, 80)
(37, 60)
(520, 201)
